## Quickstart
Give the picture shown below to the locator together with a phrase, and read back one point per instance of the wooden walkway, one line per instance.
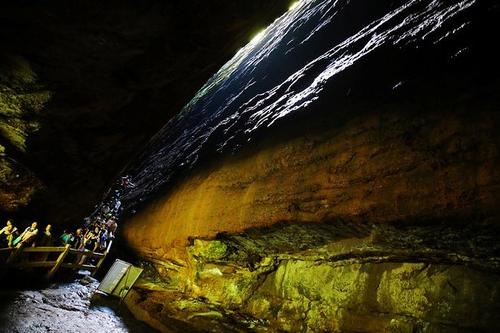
(37, 257)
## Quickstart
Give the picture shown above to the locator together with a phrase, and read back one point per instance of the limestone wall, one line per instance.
(382, 168)
(385, 223)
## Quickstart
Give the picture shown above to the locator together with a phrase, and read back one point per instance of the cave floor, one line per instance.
(68, 307)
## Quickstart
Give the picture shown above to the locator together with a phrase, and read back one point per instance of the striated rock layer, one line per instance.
(382, 168)
(341, 175)
(386, 223)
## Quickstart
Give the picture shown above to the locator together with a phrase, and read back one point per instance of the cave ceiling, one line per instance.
(84, 84)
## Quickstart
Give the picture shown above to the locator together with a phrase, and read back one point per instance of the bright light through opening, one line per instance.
(294, 5)
(258, 37)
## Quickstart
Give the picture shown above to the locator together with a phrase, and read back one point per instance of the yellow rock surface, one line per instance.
(381, 168)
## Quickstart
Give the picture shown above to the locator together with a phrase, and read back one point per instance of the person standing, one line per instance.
(28, 236)
(77, 240)
(46, 237)
(10, 231)
(66, 237)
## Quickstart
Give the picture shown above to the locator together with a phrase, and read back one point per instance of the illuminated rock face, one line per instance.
(385, 224)
(323, 278)
(384, 168)
(339, 175)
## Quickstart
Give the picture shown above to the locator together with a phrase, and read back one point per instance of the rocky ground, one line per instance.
(69, 307)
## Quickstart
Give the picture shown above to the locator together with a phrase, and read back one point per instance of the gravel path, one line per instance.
(66, 307)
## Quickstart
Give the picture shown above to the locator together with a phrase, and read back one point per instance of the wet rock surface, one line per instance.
(326, 62)
(84, 84)
(340, 175)
(68, 307)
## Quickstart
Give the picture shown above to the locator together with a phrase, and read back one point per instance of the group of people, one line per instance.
(11, 237)
(95, 237)
(111, 207)
(100, 228)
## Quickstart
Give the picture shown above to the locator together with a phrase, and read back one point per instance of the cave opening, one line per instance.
(308, 166)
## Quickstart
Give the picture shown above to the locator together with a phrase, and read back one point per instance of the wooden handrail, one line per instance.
(79, 266)
(7, 249)
(58, 262)
(87, 253)
(15, 253)
(99, 263)
(44, 249)
(55, 249)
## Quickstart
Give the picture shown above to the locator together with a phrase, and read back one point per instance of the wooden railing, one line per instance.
(26, 258)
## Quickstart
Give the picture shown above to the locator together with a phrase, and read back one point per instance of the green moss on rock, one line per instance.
(22, 99)
(16, 72)
(208, 250)
(344, 285)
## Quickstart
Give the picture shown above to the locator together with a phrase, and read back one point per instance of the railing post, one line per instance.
(59, 262)
(101, 260)
(15, 254)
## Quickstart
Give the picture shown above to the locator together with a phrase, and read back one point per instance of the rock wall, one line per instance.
(382, 168)
(385, 222)
(22, 96)
(330, 179)
(325, 280)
